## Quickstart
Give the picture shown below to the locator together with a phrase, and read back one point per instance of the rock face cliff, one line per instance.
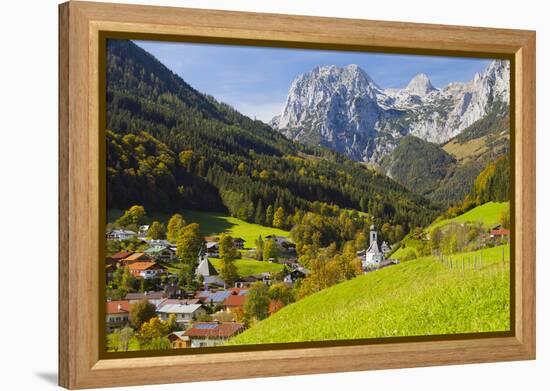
(344, 109)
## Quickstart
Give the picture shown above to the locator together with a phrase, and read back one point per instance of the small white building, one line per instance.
(373, 255)
(121, 234)
(208, 271)
(185, 313)
(142, 231)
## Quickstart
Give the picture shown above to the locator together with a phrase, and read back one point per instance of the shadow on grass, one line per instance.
(210, 223)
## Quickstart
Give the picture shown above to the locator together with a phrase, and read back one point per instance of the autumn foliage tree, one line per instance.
(152, 334)
(324, 271)
(282, 293)
(259, 248)
(228, 254)
(174, 227)
(270, 250)
(133, 217)
(279, 218)
(257, 301)
(156, 231)
(504, 217)
(189, 243)
(142, 312)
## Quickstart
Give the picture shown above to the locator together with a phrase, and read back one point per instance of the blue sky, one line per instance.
(255, 80)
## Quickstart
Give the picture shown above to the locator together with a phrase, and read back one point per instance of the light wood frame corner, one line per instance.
(80, 26)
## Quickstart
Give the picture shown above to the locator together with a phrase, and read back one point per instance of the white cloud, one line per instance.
(262, 111)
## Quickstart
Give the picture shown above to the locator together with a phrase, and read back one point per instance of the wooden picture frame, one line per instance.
(81, 25)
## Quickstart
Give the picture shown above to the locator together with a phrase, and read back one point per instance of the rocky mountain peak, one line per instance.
(344, 109)
(420, 85)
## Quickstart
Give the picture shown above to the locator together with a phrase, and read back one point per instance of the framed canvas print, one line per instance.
(247, 195)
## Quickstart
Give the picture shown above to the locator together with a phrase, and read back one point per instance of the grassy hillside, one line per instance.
(213, 223)
(487, 214)
(421, 297)
(408, 245)
(247, 267)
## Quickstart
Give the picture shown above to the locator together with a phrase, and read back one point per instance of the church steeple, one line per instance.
(373, 235)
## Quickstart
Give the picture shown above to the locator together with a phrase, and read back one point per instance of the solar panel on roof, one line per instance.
(206, 326)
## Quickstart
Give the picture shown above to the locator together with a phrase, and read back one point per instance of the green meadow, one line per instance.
(247, 267)
(212, 223)
(215, 223)
(420, 297)
(487, 214)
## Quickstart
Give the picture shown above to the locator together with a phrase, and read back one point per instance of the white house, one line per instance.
(373, 255)
(162, 253)
(212, 249)
(158, 242)
(117, 314)
(121, 234)
(185, 313)
(146, 270)
(206, 334)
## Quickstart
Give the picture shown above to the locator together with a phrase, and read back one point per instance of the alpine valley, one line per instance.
(344, 218)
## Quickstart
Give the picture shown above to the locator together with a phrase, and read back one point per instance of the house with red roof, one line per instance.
(500, 233)
(136, 257)
(234, 301)
(205, 334)
(146, 269)
(117, 314)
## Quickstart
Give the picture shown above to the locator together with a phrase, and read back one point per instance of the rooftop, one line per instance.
(118, 307)
(144, 265)
(136, 256)
(179, 335)
(177, 301)
(156, 249)
(179, 308)
(213, 330)
(121, 255)
(235, 300)
(216, 297)
(500, 231)
(205, 268)
(145, 295)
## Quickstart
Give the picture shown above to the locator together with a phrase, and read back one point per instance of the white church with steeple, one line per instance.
(374, 255)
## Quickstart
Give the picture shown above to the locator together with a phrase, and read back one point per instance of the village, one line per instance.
(214, 312)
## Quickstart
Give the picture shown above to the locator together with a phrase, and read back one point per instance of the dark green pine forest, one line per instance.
(170, 147)
(432, 170)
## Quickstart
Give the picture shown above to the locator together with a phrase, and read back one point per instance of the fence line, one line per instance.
(472, 262)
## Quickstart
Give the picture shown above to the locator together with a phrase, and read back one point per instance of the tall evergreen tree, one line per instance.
(259, 217)
(269, 215)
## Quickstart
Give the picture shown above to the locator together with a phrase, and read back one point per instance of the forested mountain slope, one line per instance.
(171, 147)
